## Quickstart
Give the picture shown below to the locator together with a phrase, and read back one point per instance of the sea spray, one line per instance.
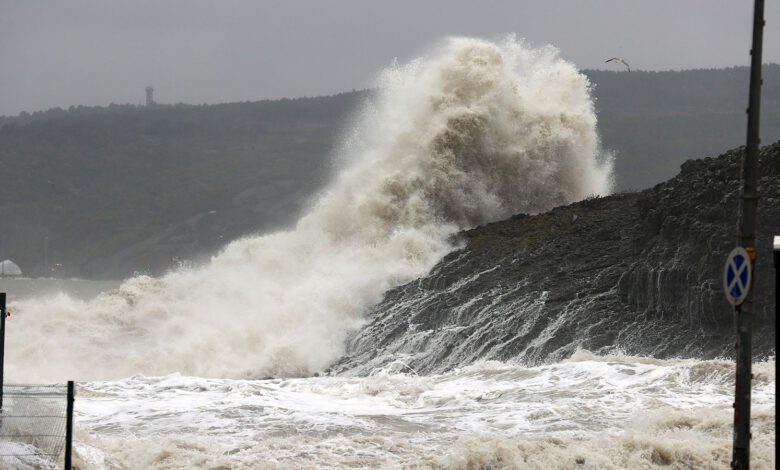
(472, 133)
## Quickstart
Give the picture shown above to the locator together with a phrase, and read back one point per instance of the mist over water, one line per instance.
(472, 133)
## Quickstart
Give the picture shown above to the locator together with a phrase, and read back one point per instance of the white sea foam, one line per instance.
(475, 132)
(592, 412)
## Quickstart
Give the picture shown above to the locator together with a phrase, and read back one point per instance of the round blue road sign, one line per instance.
(737, 276)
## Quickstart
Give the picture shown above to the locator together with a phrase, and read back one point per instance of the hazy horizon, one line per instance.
(141, 102)
(91, 53)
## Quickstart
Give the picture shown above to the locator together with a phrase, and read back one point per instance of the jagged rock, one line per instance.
(635, 272)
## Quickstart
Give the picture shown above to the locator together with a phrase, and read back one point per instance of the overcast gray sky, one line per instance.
(94, 52)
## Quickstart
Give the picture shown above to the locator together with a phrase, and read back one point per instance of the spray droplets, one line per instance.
(474, 133)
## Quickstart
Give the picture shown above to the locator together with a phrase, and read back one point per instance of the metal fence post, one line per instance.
(69, 425)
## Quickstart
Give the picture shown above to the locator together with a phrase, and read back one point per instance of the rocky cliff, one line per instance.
(635, 272)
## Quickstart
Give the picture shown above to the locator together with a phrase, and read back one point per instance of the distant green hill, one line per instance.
(105, 191)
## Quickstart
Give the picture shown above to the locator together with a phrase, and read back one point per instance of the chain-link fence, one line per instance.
(34, 426)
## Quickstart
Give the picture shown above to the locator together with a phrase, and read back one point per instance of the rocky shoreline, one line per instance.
(638, 273)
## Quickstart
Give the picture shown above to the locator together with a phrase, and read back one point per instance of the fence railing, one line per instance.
(36, 421)
(34, 426)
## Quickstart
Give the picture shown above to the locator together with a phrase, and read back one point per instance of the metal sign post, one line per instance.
(776, 250)
(737, 283)
(747, 240)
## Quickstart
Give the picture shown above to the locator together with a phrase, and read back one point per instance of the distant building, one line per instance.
(9, 269)
(149, 96)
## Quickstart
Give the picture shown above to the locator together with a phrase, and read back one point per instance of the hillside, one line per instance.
(638, 273)
(108, 193)
(654, 121)
(104, 192)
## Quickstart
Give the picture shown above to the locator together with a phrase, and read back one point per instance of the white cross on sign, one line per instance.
(737, 276)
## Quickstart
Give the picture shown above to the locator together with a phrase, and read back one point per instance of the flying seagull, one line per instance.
(618, 59)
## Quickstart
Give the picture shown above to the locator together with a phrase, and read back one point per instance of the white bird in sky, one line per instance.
(618, 59)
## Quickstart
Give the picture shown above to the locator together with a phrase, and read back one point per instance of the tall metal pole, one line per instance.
(2, 345)
(747, 239)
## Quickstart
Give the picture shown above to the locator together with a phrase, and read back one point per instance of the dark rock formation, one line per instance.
(634, 272)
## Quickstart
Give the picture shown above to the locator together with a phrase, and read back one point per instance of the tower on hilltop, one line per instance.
(149, 96)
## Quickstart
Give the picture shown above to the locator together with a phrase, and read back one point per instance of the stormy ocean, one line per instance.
(226, 365)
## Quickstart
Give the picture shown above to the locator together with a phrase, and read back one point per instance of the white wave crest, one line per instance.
(473, 133)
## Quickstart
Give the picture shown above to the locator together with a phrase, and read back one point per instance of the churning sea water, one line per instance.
(588, 412)
(174, 370)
